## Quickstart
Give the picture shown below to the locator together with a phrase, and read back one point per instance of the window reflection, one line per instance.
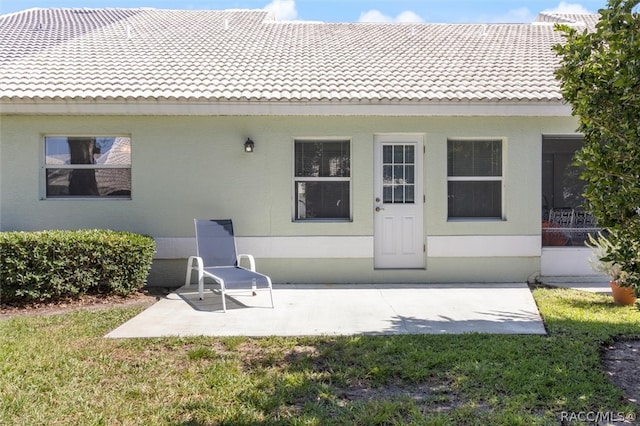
(88, 166)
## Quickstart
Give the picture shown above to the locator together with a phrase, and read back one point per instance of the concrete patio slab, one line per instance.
(379, 309)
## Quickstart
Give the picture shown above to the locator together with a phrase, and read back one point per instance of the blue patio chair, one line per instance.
(217, 259)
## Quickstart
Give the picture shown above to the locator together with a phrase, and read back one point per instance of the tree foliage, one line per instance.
(599, 74)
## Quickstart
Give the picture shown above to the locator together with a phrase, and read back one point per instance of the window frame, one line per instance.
(404, 165)
(44, 167)
(475, 178)
(295, 179)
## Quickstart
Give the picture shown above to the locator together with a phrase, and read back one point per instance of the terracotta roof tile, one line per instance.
(150, 54)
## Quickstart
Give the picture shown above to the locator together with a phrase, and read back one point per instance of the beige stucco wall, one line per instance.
(186, 167)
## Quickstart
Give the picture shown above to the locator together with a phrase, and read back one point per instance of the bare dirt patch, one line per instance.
(87, 302)
(622, 364)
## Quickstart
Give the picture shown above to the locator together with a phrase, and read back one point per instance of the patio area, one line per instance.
(373, 309)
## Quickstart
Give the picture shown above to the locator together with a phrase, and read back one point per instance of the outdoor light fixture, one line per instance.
(248, 145)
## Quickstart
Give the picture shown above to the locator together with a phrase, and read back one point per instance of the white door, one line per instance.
(398, 202)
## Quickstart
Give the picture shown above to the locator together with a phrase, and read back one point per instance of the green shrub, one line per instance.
(51, 265)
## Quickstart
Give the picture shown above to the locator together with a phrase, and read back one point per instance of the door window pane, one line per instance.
(398, 173)
(409, 157)
(409, 193)
(387, 174)
(387, 154)
(409, 172)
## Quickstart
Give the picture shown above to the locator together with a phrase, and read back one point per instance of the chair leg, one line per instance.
(222, 293)
(200, 286)
(271, 292)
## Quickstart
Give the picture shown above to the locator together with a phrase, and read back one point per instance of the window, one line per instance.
(87, 167)
(398, 169)
(322, 180)
(474, 178)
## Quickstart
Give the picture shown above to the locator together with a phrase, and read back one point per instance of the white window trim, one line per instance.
(474, 178)
(295, 179)
(500, 178)
(44, 166)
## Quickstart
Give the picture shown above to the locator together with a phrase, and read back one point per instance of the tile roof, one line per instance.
(240, 55)
(588, 20)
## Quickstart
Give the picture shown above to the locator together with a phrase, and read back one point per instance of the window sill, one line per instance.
(475, 219)
(86, 199)
(322, 220)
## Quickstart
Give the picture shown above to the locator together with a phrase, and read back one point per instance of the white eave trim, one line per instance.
(145, 107)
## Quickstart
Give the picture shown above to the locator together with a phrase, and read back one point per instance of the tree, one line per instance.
(599, 75)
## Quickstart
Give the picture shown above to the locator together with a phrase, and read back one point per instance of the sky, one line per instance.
(449, 11)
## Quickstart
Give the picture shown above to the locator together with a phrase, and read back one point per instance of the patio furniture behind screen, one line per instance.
(561, 217)
(585, 224)
(568, 227)
(217, 259)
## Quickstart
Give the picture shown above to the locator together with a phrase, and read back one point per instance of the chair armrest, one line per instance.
(200, 268)
(190, 267)
(252, 261)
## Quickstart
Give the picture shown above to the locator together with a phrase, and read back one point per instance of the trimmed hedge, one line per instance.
(53, 265)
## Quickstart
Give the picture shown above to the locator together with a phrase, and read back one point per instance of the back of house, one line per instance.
(381, 153)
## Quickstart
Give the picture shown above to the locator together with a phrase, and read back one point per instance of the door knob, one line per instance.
(379, 208)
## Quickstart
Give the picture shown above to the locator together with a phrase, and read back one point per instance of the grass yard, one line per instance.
(59, 370)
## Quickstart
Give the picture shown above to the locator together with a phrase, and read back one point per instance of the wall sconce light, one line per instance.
(248, 145)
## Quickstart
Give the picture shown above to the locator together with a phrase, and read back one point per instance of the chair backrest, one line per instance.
(215, 242)
(563, 217)
(582, 219)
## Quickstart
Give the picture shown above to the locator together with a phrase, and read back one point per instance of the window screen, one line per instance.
(474, 169)
(322, 180)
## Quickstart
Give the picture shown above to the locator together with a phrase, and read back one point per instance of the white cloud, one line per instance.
(518, 15)
(283, 10)
(375, 15)
(569, 8)
(409, 17)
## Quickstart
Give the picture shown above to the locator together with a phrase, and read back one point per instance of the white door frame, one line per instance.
(399, 241)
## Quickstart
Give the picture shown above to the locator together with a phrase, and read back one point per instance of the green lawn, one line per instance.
(59, 370)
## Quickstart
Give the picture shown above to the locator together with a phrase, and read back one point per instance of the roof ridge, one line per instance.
(564, 18)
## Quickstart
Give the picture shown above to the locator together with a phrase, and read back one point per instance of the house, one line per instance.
(382, 153)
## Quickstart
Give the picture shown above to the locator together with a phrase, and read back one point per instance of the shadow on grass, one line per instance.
(497, 322)
(430, 378)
